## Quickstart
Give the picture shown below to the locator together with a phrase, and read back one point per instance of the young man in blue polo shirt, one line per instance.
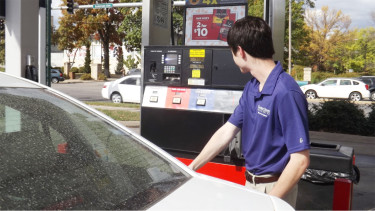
(272, 114)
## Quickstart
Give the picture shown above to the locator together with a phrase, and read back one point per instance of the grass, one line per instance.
(104, 103)
(122, 115)
(118, 115)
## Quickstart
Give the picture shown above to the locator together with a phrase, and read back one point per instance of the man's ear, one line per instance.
(241, 52)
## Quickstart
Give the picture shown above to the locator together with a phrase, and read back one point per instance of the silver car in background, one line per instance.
(344, 88)
(125, 89)
(81, 159)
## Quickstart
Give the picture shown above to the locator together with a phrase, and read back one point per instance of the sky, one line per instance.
(358, 10)
(55, 13)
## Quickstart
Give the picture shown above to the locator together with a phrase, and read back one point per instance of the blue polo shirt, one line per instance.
(274, 122)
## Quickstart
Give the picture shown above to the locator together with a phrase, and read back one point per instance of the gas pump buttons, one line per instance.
(176, 100)
(201, 102)
(154, 99)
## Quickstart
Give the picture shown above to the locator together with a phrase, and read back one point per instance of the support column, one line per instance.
(21, 35)
(42, 46)
(156, 22)
(274, 14)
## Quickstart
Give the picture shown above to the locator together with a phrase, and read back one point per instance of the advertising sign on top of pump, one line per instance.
(209, 26)
(213, 2)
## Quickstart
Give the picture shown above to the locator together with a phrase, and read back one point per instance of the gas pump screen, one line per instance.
(171, 59)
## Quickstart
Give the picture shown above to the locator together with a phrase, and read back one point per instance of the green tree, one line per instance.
(300, 33)
(131, 62)
(87, 66)
(178, 23)
(255, 8)
(328, 29)
(120, 61)
(365, 40)
(131, 26)
(344, 54)
(76, 28)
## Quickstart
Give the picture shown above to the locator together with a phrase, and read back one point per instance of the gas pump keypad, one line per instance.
(169, 69)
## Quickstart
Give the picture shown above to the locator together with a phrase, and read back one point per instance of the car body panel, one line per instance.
(129, 88)
(47, 186)
(337, 88)
(214, 195)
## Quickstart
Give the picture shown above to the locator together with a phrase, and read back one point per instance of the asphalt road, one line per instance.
(363, 193)
(81, 90)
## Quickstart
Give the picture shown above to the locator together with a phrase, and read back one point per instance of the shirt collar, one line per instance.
(270, 84)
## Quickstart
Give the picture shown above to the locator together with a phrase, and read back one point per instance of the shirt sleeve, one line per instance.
(294, 121)
(237, 117)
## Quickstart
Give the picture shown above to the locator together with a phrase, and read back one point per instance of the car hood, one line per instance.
(207, 193)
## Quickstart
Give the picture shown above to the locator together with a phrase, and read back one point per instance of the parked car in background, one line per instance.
(81, 159)
(56, 76)
(345, 88)
(370, 81)
(125, 89)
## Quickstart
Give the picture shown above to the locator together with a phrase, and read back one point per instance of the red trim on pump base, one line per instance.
(230, 173)
(342, 194)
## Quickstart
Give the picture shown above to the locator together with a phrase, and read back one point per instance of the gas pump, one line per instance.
(190, 91)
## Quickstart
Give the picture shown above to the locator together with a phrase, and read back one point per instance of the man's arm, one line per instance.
(293, 171)
(215, 145)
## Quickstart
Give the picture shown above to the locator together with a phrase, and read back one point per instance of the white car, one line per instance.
(81, 159)
(345, 88)
(125, 89)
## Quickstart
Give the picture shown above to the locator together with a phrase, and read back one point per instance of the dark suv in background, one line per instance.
(370, 81)
(56, 76)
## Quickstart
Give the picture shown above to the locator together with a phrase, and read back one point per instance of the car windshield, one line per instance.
(56, 155)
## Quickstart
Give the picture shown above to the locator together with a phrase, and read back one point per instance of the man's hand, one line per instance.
(292, 173)
(215, 145)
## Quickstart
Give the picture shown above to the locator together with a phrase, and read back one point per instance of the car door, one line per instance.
(345, 87)
(328, 88)
(130, 90)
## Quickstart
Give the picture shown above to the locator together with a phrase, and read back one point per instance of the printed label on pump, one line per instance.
(196, 73)
(197, 53)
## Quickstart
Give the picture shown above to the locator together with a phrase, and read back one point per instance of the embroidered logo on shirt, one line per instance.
(301, 140)
(263, 111)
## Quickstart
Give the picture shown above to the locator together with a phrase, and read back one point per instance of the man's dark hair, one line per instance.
(253, 35)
